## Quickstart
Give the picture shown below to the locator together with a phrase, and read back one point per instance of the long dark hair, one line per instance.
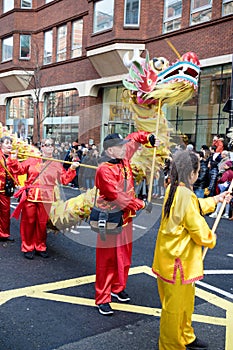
(183, 163)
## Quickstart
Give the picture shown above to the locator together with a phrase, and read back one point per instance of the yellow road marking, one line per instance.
(41, 291)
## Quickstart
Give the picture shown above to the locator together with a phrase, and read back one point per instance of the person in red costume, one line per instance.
(7, 161)
(217, 141)
(36, 198)
(114, 180)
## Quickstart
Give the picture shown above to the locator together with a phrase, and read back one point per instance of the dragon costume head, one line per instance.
(150, 84)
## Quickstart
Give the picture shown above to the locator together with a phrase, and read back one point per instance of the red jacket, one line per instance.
(219, 145)
(13, 167)
(42, 177)
(41, 180)
(115, 182)
(226, 176)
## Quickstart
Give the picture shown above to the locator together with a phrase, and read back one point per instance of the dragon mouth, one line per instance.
(183, 70)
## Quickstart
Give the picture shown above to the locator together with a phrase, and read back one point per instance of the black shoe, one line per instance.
(122, 296)
(43, 254)
(105, 309)
(197, 344)
(7, 239)
(29, 255)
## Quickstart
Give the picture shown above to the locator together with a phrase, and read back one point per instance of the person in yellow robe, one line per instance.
(178, 259)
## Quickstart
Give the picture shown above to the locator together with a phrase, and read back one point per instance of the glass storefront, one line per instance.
(61, 116)
(19, 116)
(199, 119)
(202, 117)
(60, 119)
(117, 117)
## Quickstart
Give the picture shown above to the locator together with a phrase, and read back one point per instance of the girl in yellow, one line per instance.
(178, 253)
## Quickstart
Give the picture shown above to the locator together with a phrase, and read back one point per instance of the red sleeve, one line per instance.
(67, 176)
(137, 138)
(13, 165)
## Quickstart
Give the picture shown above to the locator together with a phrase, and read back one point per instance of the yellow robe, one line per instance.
(181, 237)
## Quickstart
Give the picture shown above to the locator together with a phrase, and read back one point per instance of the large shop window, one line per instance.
(8, 5)
(25, 46)
(117, 116)
(61, 115)
(201, 11)
(7, 49)
(19, 116)
(48, 46)
(77, 38)
(103, 15)
(202, 117)
(172, 15)
(61, 43)
(132, 13)
(227, 7)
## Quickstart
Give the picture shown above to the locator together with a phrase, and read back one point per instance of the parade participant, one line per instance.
(7, 161)
(178, 261)
(36, 198)
(116, 190)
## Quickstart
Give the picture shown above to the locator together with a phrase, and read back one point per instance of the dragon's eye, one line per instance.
(158, 64)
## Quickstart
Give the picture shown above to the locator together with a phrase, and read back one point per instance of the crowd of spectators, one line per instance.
(215, 176)
(216, 172)
(79, 152)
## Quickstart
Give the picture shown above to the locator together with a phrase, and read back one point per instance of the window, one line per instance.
(132, 13)
(48, 46)
(61, 43)
(227, 7)
(201, 11)
(25, 46)
(8, 5)
(20, 107)
(103, 15)
(77, 36)
(25, 4)
(7, 49)
(172, 15)
(61, 115)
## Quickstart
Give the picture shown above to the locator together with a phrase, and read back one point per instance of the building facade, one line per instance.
(61, 66)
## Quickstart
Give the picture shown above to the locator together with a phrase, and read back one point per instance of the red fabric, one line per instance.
(33, 226)
(219, 145)
(226, 176)
(113, 256)
(41, 179)
(36, 198)
(13, 167)
(110, 180)
(4, 216)
(113, 260)
(43, 176)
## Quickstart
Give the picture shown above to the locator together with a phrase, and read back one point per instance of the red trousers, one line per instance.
(113, 260)
(4, 216)
(33, 222)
